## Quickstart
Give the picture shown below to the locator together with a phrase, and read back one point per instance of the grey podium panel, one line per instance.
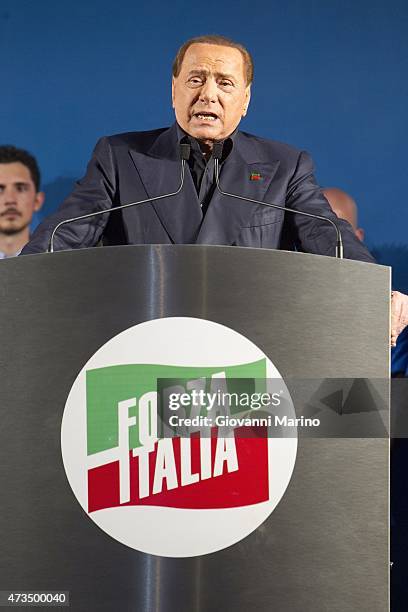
(325, 547)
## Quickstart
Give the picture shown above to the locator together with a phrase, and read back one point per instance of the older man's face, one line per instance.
(210, 95)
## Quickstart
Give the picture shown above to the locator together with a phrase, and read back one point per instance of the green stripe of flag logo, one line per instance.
(106, 387)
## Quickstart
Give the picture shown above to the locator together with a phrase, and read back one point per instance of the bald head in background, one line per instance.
(345, 208)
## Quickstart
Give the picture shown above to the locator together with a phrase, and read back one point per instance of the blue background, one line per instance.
(330, 77)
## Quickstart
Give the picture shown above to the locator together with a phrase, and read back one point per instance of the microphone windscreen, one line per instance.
(217, 150)
(185, 151)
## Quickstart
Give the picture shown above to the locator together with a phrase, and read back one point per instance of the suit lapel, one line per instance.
(159, 171)
(181, 215)
(227, 216)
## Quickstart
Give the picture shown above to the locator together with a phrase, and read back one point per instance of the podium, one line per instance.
(324, 547)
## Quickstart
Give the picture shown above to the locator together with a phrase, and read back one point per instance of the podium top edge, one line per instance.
(262, 252)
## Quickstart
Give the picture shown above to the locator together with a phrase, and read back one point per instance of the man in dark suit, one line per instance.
(211, 91)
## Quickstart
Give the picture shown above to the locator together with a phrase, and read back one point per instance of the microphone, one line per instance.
(217, 155)
(184, 155)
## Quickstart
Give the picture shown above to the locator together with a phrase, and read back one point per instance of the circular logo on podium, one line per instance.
(174, 440)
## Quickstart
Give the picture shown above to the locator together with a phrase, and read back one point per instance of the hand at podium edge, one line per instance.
(399, 314)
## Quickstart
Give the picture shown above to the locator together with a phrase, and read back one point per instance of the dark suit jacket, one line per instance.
(134, 166)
